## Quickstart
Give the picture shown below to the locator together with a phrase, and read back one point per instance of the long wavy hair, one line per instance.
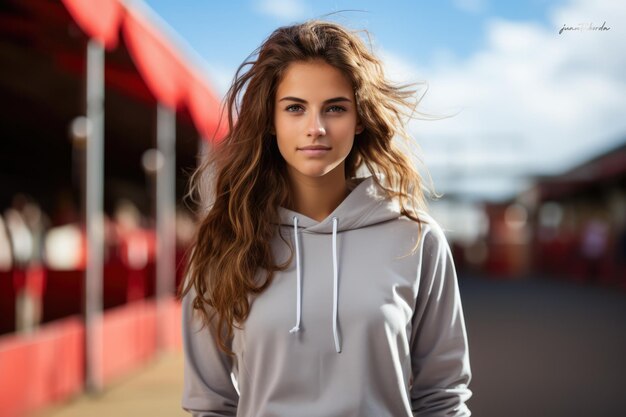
(242, 182)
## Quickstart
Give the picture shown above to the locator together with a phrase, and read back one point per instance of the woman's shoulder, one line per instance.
(431, 233)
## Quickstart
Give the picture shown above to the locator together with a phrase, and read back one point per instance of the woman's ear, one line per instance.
(359, 128)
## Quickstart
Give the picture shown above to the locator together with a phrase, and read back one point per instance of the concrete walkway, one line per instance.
(153, 391)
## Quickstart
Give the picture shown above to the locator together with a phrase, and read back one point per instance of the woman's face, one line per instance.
(315, 118)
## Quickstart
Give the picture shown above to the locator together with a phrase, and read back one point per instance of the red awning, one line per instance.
(174, 82)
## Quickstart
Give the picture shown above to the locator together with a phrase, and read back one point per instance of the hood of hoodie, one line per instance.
(366, 205)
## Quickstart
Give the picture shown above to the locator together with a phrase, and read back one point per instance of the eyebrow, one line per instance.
(330, 100)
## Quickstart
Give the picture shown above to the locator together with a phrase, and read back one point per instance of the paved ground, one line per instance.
(538, 348)
(154, 391)
(545, 348)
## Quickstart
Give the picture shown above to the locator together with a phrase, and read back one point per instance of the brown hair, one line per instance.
(243, 182)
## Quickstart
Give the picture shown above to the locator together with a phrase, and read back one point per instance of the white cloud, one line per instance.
(283, 9)
(546, 100)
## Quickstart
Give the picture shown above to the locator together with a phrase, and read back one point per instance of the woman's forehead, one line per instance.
(314, 80)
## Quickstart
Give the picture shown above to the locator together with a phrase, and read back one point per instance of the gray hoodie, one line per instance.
(358, 325)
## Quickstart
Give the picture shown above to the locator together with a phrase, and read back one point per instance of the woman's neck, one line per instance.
(317, 197)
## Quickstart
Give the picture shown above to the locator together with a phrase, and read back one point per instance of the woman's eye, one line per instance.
(293, 108)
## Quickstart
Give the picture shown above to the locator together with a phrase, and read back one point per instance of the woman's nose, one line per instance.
(316, 128)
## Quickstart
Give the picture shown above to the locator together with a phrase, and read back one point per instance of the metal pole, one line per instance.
(165, 215)
(94, 216)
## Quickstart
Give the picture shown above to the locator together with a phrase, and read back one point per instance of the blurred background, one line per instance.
(106, 107)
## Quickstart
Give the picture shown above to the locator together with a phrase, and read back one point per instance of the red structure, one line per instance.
(580, 221)
(42, 91)
(567, 226)
(170, 79)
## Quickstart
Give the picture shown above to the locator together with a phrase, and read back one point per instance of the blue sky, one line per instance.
(528, 100)
(224, 33)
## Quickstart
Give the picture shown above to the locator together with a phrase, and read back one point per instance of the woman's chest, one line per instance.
(374, 296)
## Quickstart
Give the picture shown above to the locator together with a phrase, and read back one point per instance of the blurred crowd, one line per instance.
(581, 239)
(35, 245)
(586, 243)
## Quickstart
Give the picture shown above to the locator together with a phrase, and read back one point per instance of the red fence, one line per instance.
(48, 366)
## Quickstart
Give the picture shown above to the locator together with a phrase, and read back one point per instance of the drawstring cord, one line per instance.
(335, 286)
(296, 328)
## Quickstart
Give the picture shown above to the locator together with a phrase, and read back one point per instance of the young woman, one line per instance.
(311, 290)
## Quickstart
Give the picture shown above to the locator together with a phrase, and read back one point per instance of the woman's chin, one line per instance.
(315, 172)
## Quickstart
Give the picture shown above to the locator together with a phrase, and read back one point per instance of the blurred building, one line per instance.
(579, 221)
(153, 87)
(569, 226)
(43, 48)
(42, 86)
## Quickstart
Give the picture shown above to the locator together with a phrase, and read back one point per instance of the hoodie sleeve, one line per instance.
(439, 347)
(208, 389)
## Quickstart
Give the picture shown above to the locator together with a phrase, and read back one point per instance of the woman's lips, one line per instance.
(315, 150)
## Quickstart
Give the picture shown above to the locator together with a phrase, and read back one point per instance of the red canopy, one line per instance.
(170, 79)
